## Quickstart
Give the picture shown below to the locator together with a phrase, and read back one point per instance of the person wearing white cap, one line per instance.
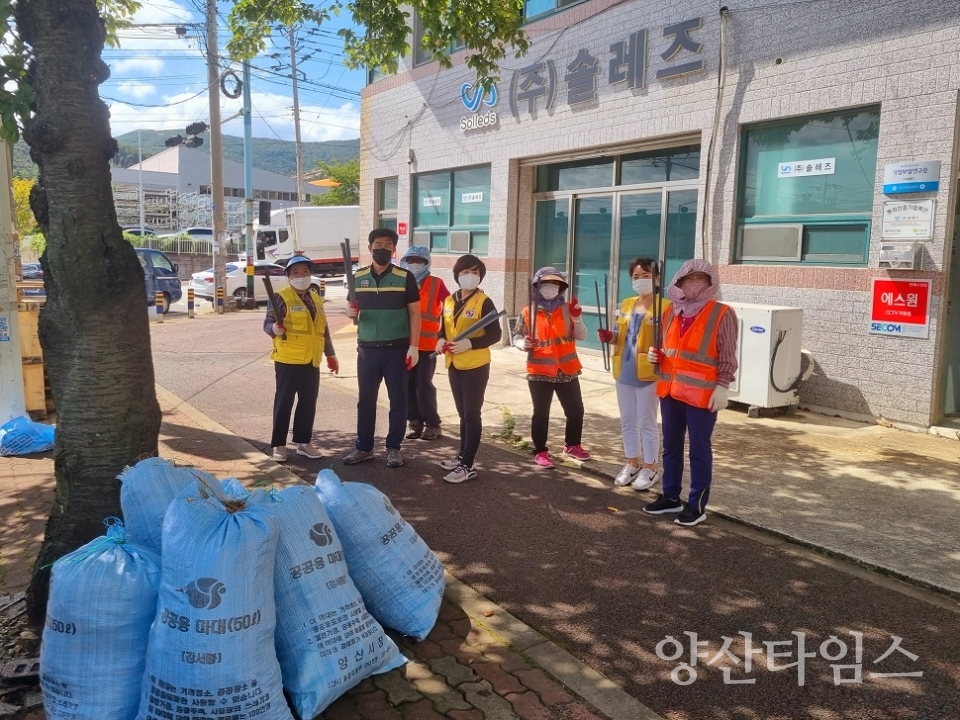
(422, 414)
(553, 366)
(298, 327)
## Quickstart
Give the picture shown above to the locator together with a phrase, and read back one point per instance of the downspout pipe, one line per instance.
(706, 227)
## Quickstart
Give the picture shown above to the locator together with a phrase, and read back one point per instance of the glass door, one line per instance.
(681, 231)
(951, 385)
(592, 242)
(641, 230)
(550, 234)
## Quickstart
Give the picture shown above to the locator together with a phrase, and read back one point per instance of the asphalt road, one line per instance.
(582, 564)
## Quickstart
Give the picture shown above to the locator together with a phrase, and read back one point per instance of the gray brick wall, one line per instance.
(835, 54)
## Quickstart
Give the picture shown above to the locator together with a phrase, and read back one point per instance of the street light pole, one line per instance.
(216, 150)
(296, 112)
(248, 179)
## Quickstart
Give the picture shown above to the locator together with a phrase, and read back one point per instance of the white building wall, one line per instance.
(904, 56)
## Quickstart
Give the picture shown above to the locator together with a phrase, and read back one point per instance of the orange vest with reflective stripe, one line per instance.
(688, 373)
(554, 349)
(431, 313)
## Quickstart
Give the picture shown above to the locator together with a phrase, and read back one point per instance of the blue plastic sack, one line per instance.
(103, 598)
(23, 436)
(326, 640)
(400, 578)
(146, 491)
(211, 645)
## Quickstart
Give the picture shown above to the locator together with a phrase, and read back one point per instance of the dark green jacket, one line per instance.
(384, 319)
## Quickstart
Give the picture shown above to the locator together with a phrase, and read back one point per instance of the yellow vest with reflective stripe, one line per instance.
(645, 369)
(471, 312)
(304, 342)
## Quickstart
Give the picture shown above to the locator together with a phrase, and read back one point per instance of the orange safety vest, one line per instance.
(431, 313)
(554, 349)
(688, 373)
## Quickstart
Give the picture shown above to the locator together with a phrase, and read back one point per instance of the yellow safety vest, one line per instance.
(471, 312)
(304, 342)
(645, 369)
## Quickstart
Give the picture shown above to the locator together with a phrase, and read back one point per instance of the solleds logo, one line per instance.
(489, 98)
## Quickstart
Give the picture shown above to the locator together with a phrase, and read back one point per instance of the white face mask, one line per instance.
(643, 286)
(301, 283)
(549, 292)
(469, 281)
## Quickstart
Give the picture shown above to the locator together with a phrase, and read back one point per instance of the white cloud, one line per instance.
(135, 88)
(146, 64)
(162, 11)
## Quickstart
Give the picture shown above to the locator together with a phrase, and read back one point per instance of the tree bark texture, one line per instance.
(94, 327)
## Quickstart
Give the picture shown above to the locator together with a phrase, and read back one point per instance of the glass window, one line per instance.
(420, 54)
(471, 196)
(479, 243)
(160, 262)
(537, 8)
(550, 240)
(438, 241)
(388, 194)
(433, 200)
(389, 222)
(575, 175)
(659, 166)
(848, 140)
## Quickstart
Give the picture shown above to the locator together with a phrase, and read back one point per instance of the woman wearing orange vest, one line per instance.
(422, 415)
(637, 377)
(553, 366)
(697, 363)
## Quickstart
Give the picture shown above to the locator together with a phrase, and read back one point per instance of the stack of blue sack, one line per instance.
(23, 436)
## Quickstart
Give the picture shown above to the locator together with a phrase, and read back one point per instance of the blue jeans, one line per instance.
(376, 365)
(678, 419)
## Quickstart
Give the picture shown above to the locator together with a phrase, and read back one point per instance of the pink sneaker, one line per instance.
(543, 459)
(576, 451)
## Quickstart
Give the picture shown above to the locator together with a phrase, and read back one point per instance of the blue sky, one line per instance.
(158, 80)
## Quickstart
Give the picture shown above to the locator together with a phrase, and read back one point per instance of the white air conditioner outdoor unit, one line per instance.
(771, 243)
(459, 241)
(769, 354)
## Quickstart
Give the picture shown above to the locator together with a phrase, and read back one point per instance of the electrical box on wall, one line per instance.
(900, 256)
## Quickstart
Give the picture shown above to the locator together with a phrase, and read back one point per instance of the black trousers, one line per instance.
(303, 383)
(468, 388)
(377, 365)
(571, 401)
(422, 393)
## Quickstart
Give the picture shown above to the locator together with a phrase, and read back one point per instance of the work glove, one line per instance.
(333, 364)
(718, 401)
(441, 346)
(575, 310)
(461, 346)
(353, 310)
(525, 343)
(655, 355)
(413, 357)
(606, 336)
(278, 329)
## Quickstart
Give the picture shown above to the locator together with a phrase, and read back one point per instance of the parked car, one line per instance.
(160, 275)
(203, 287)
(32, 271)
(138, 232)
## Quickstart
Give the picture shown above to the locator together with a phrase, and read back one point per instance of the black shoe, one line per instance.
(690, 517)
(663, 505)
(430, 432)
(416, 430)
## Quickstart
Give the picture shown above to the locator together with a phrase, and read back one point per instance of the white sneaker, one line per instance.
(461, 474)
(280, 454)
(450, 464)
(627, 475)
(645, 479)
(309, 450)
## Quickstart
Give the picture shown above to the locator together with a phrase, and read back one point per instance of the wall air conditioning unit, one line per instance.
(421, 238)
(459, 241)
(771, 243)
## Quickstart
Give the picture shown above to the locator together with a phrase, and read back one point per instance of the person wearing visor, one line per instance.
(422, 416)
(553, 367)
(637, 377)
(387, 309)
(298, 327)
(467, 360)
(697, 363)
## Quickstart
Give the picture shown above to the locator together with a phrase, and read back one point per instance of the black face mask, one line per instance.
(381, 256)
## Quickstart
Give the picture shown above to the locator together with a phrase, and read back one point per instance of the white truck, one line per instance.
(316, 231)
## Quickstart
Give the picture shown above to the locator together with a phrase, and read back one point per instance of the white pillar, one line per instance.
(11, 362)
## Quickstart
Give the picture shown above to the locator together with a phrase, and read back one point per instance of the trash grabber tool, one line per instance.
(348, 273)
(272, 296)
(480, 324)
(603, 346)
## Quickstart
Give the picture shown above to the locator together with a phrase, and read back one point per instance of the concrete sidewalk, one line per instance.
(884, 498)
(479, 662)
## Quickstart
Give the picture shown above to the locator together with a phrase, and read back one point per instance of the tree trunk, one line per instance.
(94, 327)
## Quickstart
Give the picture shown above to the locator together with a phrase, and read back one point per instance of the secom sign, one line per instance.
(473, 103)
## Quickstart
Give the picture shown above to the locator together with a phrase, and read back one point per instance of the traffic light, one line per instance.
(264, 212)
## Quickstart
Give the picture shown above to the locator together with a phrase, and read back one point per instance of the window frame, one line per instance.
(383, 212)
(558, 7)
(443, 231)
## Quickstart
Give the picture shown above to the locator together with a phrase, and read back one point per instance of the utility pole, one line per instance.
(248, 180)
(140, 195)
(216, 149)
(11, 363)
(296, 112)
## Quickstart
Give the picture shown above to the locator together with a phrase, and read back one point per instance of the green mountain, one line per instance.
(277, 156)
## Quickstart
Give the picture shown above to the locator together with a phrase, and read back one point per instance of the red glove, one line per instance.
(606, 336)
(575, 309)
(333, 364)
